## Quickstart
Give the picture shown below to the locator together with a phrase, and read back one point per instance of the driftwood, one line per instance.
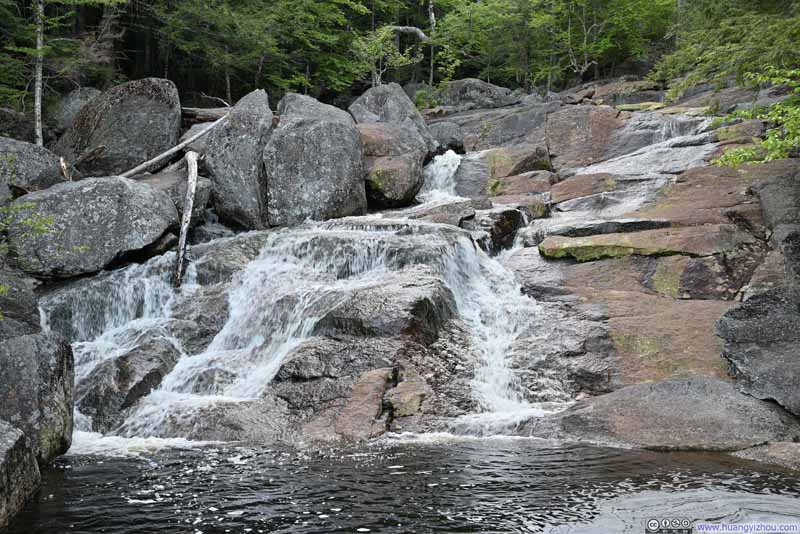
(174, 150)
(188, 204)
(65, 169)
(193, 115)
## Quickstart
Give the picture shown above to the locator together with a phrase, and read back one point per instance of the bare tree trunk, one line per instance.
(188, 204)
(38, 74)
(432, 18)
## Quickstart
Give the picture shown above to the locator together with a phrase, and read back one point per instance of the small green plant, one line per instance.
(424, 98)
(783, 137)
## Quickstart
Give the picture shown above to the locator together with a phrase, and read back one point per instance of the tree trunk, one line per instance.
(432, 18)
(38, 74)
(188, 204)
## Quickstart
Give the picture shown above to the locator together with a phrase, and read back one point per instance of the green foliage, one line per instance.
(728, 39)
(783, 137)
(377, 52)
(424, 98)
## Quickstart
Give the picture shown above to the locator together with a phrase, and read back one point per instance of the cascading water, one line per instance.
(278, 300)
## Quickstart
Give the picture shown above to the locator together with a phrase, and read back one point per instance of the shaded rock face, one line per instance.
(449, 136)
(19, 473)
(36, 382)
(500, 223)
(234, 164)
(304, 181)
(480, 173)
(700, 414)
(89, 225)
(134, 121)
(471, 93)
(71, 104)
(15, 125)
(25, 167)
(761, 339)
(173, 183)
(393, 159)
(19, 306)
(388, 103)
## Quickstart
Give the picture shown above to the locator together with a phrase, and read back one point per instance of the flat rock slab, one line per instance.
(782, 454)
(708, 195)
(539, 231)
(693, 414)
(690, 241)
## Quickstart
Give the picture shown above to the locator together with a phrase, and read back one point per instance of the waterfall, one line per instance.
(278, 300)
(439, 178)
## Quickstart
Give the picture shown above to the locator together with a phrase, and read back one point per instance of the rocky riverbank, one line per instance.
(580, 272)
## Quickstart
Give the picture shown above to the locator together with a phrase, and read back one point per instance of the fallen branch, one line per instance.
(193, 115)
(177, 148)
(411, 30)
(188, 204)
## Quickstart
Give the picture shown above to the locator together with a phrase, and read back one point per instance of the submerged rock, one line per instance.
(695, 414)
(88, 225)
(19, 473)
(233, 160)
(313, 164)
(134, 122)
(36, 382)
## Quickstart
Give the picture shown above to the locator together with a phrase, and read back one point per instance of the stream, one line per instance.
(151, 473)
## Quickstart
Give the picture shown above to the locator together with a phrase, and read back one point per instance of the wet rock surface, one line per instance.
(19, 473)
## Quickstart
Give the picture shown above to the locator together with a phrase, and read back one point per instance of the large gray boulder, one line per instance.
(389, 103)
(233, 160)
(134, 121)
(762, 336)
(173, 183)
(19, 474)
(36, 381)
(88, 225)
(697, 414)
(449, 135)
(393, 157)
(313, 164)
(25, 167)
(471, 93)
(70, 105)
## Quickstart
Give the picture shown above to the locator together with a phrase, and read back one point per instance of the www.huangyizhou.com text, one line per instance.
(747, 528)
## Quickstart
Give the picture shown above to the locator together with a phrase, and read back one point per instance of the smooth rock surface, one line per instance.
(693, 414)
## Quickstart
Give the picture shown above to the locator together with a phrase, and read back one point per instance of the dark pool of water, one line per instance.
(490, 485)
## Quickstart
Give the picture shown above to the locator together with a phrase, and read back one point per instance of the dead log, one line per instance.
(188, 204)
(174, 150)
(196, 115)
